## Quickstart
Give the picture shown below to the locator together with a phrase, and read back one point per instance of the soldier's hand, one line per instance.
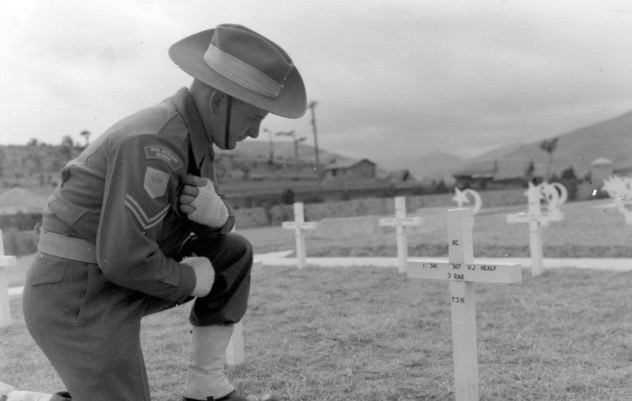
(201, 203)
(190, 191)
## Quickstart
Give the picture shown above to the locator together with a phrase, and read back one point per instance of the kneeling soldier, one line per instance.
(136, 225)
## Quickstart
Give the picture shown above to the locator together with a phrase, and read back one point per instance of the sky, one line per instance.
(393, 80)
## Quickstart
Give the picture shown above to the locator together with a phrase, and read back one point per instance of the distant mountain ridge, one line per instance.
(610, 139)
(500, 152)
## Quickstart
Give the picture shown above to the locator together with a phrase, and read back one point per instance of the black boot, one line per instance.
(234, 396)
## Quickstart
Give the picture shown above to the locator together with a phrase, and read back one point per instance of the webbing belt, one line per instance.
(67, 247)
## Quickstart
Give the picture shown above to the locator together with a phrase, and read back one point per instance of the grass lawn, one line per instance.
(371, 334)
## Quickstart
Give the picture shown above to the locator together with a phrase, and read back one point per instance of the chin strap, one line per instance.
(229, 104)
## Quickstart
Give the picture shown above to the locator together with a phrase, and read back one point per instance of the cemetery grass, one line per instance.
(371, 334)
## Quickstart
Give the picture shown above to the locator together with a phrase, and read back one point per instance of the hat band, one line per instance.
(241, 73)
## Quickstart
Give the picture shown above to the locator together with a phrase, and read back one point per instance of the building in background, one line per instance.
(351, 169)
(497, 174)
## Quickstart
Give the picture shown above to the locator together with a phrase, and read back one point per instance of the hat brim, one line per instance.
(188, 54)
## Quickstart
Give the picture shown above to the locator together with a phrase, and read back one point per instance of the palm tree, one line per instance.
(549, 147)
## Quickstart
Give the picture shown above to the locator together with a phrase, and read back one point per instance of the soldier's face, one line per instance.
(245, 121)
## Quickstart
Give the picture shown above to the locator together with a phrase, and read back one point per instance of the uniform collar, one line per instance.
(200, 142)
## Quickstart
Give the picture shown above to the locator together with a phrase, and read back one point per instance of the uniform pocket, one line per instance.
(47, 269)
(54, 290)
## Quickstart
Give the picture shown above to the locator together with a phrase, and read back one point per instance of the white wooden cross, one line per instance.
(6, 261)
(400, 221)
(536, 219)
(299, 225)
(462, 273)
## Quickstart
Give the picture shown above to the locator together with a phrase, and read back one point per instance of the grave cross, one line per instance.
(462, 273)
(5, 262)
(299, 225)
(399, 222)
(536, 219)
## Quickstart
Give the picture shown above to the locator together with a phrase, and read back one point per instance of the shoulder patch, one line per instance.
(155, 182)
(163, 153)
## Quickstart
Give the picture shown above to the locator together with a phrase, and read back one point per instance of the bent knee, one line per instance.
(239, 244)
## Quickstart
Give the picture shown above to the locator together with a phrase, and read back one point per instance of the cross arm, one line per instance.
(554, 215)
(308, 225)
(404, 221)
(468, 272)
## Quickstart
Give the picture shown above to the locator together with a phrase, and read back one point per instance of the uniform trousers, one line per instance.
(89, 327)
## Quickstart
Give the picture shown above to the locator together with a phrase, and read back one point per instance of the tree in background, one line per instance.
(530, 171)
(33, 162)
(569, 179)
(288, 197)
(86, 134)
(439, 187)
(67, 145)
(568, 174)
(549, 146)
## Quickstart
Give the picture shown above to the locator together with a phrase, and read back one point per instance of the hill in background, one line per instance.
(611, 139)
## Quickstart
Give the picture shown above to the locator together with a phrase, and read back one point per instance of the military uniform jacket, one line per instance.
(122, 194)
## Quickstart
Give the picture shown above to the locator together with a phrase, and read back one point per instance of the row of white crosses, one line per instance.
(554, 195)
(462, 273)
(620, 190)
(5, 262)
(400, 222)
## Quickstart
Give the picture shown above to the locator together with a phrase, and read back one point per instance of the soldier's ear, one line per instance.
(216, 100)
